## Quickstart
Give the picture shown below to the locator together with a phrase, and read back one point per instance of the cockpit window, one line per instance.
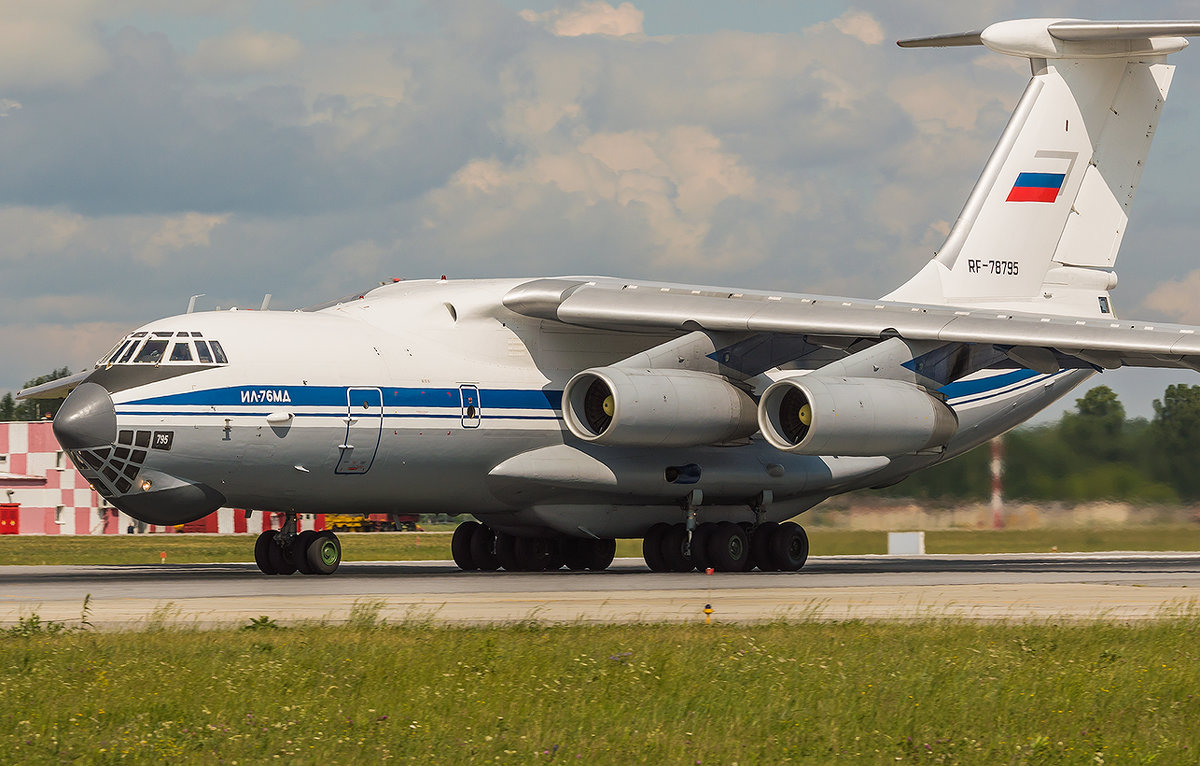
(202, 352)
(152, 352)
(218, 352)
(182, 352)
(129, 352)
(117, 352)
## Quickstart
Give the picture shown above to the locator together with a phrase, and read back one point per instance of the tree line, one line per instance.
(32, 409)
(1092, 453)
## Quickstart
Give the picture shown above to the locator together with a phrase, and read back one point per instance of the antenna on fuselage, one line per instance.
(266, 302)
(192, 302)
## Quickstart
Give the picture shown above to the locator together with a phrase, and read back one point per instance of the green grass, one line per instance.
(929, 692)
(424, 546)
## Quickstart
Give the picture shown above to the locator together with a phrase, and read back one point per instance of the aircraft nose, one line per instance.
(86, 419)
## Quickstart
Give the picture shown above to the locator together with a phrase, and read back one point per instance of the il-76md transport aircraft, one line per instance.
(566, 412)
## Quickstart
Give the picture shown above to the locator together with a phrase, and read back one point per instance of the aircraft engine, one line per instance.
(634, 407)
(810, 415)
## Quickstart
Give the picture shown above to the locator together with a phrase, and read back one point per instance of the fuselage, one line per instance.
(431, 397)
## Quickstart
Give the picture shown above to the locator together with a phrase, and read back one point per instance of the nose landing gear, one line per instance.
(283, 551)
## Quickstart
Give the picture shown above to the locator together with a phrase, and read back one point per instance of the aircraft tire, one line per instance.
(789, 547)
(262, 552)
(600, 553)
(460, 545)
(324, 553)
(300, 551)
(700, 555)
(652, 547)
(531, 554)
(727, 547)
(483, 549)
(281, 560)
(506, 551)
(760, 546)
(555, 556)
(575, 553)
(673, 549)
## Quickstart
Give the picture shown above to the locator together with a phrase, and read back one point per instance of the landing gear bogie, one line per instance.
(726, 547)
(477, 546)
(283, 551)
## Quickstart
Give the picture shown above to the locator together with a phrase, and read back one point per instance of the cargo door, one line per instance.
(364, 423)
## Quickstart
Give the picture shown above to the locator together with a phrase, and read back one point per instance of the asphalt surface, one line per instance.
(1003, 586)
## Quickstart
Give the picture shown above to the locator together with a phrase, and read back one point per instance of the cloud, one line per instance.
(245, 51)
(176, 233)
(860, 25)
(590, 17)
(1177, 299)
(49, 44)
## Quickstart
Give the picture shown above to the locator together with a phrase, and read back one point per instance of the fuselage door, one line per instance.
(364, 423)
(472, 413)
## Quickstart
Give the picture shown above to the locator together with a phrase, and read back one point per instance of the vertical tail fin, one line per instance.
(1041, 229)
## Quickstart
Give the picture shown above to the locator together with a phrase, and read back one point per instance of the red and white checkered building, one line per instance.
(41, 493)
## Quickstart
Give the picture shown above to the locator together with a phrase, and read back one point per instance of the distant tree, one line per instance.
(1094, 432)
(1176, 430)
(8, 407)
(37, 409)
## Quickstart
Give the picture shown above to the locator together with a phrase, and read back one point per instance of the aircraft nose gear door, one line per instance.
(364, 422)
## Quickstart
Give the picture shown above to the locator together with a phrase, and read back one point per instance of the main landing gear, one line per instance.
(477, 546)
(726, 547)
(284, 551)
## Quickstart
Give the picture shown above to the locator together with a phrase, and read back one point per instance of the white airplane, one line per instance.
(566, 412)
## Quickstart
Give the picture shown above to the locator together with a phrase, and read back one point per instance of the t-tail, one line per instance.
(1041, 229)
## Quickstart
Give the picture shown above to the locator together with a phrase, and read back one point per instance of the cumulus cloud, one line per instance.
(246, 51)
(1177, 299)
(49, 44)
(591, 17)
(860, 25)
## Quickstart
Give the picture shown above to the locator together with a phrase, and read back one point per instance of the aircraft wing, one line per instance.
(1029, 339)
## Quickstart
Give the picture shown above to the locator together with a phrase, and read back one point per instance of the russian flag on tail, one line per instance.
(1036, 187)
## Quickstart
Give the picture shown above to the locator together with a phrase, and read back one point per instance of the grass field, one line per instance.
(929, 692)
(424, 546)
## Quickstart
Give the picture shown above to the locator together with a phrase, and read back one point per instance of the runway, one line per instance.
(1115, 586)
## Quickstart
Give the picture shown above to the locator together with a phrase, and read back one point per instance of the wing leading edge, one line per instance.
(613, 305)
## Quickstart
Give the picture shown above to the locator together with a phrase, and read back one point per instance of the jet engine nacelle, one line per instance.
(634, 407)
(810, 415)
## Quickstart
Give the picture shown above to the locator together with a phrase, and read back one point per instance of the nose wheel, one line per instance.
(283, 551)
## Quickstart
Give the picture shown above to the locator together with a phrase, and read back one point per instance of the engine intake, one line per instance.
(862, 417)
(656, 408)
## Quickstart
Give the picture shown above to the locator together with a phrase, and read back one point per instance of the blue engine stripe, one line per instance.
(969, 387)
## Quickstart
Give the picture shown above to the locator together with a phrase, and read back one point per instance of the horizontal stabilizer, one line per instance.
(1070, 38)
(55, 389)
(952, 40)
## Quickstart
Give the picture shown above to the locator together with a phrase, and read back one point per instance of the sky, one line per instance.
(155, 149)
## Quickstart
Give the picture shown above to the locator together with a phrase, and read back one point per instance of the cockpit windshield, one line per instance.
(157, 348)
